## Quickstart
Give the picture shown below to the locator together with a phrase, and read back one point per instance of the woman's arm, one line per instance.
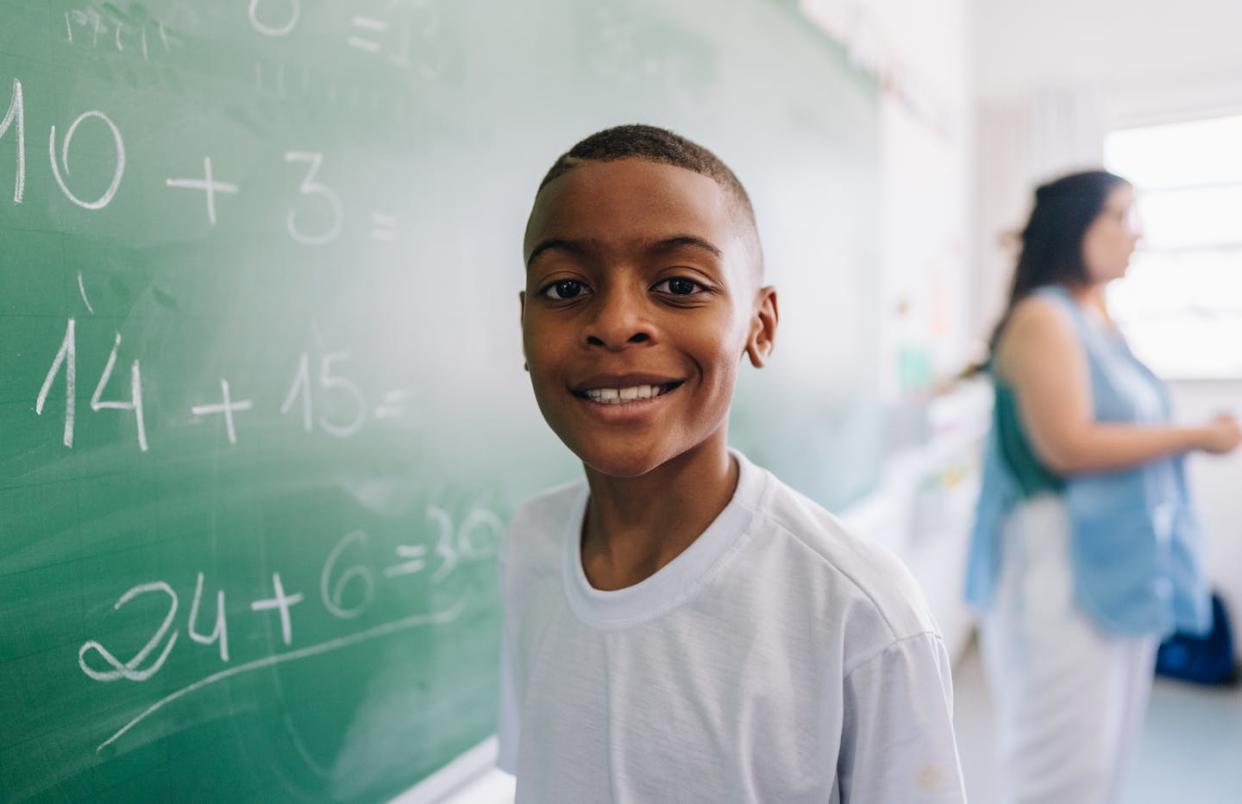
(1040, 357)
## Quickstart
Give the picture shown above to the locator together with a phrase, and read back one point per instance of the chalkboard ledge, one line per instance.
(471, 778)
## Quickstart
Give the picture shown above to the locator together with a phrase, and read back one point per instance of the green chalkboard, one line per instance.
(262, 408)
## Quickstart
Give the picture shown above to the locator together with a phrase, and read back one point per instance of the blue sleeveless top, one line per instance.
(1033, 476)
(1135, 538)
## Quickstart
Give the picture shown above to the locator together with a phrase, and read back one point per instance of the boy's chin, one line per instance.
(632, 457)
(612, 466)
(626, 460)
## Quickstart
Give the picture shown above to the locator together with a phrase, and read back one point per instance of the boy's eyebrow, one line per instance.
(564, 244)
(669, 243)
(583, 247)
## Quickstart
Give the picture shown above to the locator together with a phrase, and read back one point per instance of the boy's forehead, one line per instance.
(626, 196)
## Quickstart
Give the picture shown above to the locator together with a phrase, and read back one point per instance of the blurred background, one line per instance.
(980, 101)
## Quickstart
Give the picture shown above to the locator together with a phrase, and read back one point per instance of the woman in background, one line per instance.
(1085, 551)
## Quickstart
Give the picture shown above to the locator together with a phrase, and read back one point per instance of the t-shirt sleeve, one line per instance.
(898, 742)
(508, 724)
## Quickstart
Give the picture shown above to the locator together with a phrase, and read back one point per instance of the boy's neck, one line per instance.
(636, 525)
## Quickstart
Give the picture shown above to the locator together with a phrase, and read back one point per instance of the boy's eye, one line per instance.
(678, 286)
(565, 289)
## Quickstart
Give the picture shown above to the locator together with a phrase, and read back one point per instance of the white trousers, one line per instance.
(1069, 698)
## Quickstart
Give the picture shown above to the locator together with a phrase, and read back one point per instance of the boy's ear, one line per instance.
(763, 323)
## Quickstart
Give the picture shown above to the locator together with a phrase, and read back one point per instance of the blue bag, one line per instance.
(1207, 659)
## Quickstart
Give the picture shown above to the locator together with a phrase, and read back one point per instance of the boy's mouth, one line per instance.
(620, 396)
(621, 389)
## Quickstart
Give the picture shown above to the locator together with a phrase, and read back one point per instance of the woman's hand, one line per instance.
(1221, 436)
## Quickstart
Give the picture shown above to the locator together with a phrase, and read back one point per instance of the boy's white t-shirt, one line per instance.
(776, 659)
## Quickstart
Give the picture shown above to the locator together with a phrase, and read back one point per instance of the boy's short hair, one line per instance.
(655, 144)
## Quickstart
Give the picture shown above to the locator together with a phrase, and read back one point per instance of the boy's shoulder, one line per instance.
(539, 526)
(874, 586)
(550, 507)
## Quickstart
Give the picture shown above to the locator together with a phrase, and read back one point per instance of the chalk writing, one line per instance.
(446, 547)
(383, 227)
(219, 634)
(333, 593)
(281, 603)
(208, 185)
(135, 393)
(311, 187)
(90, 26)
(300, 388)
(442, 617)
(63, 162)
(331, 381)
(66, 356)
(130, 670)
(273, 29)
(414, 561)
(82, 293)
(16, 114)
(391, 406)
(346, 589)
(480, 533)
(350, 389)
(226, 407)
(366, 26)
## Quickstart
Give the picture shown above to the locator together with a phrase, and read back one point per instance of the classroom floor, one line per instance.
(1191, 748)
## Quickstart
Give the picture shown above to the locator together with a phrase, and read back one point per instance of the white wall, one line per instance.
(926, 141)
(1021, 45)
(1050, 78)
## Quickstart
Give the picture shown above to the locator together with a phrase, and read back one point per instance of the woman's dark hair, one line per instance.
(1051, 251)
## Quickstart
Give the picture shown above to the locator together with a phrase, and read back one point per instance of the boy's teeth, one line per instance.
(617, 396)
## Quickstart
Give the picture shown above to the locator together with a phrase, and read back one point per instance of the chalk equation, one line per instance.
(71, 166)
(351, 407)
(403, 33)
(346, 589)
(312, 198)
(114, 30)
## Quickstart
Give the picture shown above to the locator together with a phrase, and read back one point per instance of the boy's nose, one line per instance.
(619, 321)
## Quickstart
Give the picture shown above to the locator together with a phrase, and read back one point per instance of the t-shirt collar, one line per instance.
(675, 582)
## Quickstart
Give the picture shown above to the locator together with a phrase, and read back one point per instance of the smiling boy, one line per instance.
(682, 626)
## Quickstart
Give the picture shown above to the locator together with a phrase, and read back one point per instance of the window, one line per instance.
(1180, 304)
